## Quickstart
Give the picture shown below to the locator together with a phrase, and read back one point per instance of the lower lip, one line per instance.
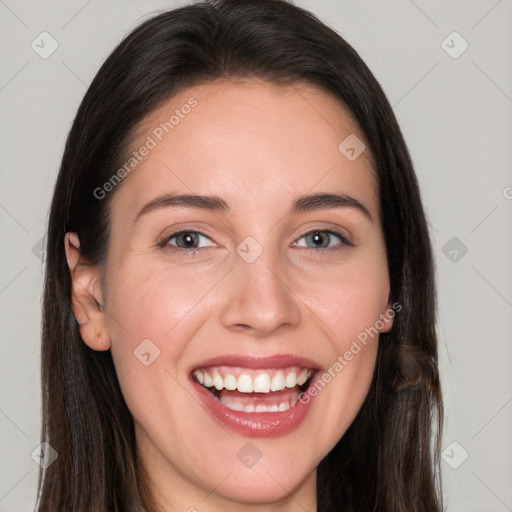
(258, 424)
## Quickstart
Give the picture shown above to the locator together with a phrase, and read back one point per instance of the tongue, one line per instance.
(275, 400)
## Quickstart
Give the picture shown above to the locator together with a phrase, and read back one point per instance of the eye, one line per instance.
(186, 240)
(322, 239)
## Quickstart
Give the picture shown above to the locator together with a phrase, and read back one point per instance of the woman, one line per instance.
(239, 308)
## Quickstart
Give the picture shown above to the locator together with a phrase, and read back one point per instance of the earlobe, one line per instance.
(86, 297)
(386, 318)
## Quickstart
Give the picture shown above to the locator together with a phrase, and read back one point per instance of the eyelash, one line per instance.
(163, 242)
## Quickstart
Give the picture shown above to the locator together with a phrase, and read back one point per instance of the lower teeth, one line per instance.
(237, 404)
(255, 408)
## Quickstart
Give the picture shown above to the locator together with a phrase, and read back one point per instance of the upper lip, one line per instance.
(260, 362)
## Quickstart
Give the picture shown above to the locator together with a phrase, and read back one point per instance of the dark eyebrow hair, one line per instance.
(212, 203)
(304, 203)
(322, 201)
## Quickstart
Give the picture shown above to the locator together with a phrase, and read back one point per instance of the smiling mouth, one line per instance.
(254, 390)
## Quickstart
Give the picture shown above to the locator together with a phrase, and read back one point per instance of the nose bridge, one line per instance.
(259, 296)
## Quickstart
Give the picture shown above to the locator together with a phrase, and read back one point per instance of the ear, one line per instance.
(86, 296)
(387, 316)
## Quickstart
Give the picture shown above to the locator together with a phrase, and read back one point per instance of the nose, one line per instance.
(260, 299)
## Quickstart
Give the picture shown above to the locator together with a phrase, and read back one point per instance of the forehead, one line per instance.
(248, 141)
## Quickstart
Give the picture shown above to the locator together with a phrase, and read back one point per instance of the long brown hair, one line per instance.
(388, 460)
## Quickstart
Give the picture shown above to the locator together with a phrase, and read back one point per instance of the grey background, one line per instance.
(456, 117)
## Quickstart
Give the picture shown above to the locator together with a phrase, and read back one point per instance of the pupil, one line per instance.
(188, 239)
(319, 238)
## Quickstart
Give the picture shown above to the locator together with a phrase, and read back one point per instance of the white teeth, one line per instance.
(236, 405)
(208, 381)
(291, 380)
(230, 382)
(218, 381)
(261, 383)
(199, 375)
(278, 382)
(302, 377)
(245, 384)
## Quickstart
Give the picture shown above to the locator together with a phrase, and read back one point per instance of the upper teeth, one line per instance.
(249, 380)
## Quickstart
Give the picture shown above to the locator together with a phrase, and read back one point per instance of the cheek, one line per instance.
(153, 299)
(350, 300)
(350, 322)
(150, 321)
(152, 317)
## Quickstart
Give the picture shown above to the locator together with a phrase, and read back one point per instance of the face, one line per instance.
(246, 259)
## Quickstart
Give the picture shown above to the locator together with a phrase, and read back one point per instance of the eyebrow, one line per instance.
(212, 203)
(323, 201)
(311, 202)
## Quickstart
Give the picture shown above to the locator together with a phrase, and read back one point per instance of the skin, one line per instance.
(258, 146)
